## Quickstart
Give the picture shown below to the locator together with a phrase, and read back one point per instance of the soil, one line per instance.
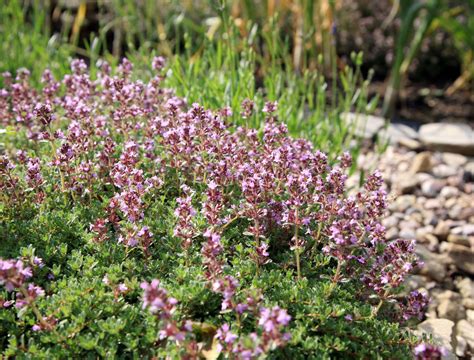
(422, 103)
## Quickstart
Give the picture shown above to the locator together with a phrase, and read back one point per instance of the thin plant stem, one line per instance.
(298, 266)
(33, 307)
(61, 175)
(316, 240)
(335, 278)
(376, 310)
(297, 247)
(257, 242)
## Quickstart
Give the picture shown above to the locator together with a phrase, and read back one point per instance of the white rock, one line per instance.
(407, 185)
(365, 126)
(454, 159)
(449, 203)
(442, 332)
(466, 287)
(432, 204)
(466, 330)
(411, 144)
(410, 223)
(407, 234)
(432, 187)
(449, 192)
(444, 171)
(452, 137)
(421, 232)
(403, 167)
(467, 230)
(470, 316)
(414, 282)
(422, 177)
(455, 211)
(468, 303)
(461, 346)
(399, 133)
(450, 306)
(390, 221)
(434, 266)
(459, 239)
(403, 202)
(462, 256)
(392, 233)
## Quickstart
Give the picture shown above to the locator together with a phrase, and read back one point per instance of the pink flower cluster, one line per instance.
(32, 292)
(14, 276)
(426, 351)
(184, 213)
(156, 299)
(271, 324)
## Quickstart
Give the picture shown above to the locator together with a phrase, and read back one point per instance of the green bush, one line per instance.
(108, 184)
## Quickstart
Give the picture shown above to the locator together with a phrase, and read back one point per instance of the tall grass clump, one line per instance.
(229, 71)
(26, 41)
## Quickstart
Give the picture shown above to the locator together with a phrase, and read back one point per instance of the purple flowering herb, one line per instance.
(424, 351)
(273, 182)
(184, 213)
(14, 276)
(157, 301)
(247, 107)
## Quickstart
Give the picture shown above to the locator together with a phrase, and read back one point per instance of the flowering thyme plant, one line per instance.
(167, 232)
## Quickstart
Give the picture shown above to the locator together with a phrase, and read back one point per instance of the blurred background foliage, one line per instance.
(424, 42)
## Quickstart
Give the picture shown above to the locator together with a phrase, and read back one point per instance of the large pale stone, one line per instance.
(442, 332)
(444, 171)
(397, 133)
(450, 306)
(461, 346)
(466, 330)
(462, 257)
(402, 203)
(411, 144)
(453, 137)
(421, 163)
(449, 192)
(454, 159)
(432, 187)
(459, 239)
(407, 185)
(470, 316)
(466, 229)
(466, 287)
(468, 303)
(365, 126)
(434, 266)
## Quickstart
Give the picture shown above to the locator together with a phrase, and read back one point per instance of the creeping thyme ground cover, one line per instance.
(136, 225)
